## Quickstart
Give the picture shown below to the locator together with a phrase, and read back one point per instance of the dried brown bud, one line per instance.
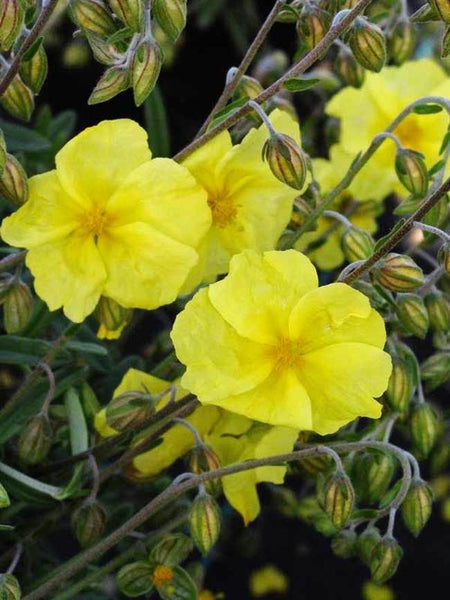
(88, 522)
(13, 181)
(145, 69)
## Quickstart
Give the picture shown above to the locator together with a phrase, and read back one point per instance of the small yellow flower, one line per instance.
(162, 575)
(367, 111)
(374, 591)
(268, 580)
(249, 206)
(110, 221)
(267, 343)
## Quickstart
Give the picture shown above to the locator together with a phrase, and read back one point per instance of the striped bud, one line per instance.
(34, 70)
(93, 16)
(373, 475)
(444, 256)
(401, 42)
(424, 428)
(412, 313)
(173, 549)
(438, 308)
(398, 273)
(349, 69)
(88, 522)
(129, 409)
(11, 20)
(385, 559)
(111, 314)
(400, 386)
(416, 508)
(338, 498)
(13, 181)
(145, 67)
(104, 53)
(312, 465)
(135, 579)
(368, 45)
(344, 543)
(412, 171)
(312, 26)
(171, 16)
(286, 160)
(18, 100)
(442, 9)
(204, 521)
(436, 369)
(17, 307)
(129, 12)
(357, 244)
(113, 81)
(248, 87)
(366, 543)
(4, 498)
(9, 587)
(35, 440)
(202, 460)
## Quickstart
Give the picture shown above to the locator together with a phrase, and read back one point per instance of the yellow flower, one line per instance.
(249, 206)
(367, 111)
(374, 591)
(110, 221)
(267, 343)
(268, 580)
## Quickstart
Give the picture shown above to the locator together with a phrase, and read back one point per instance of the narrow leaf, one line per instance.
(297, 84)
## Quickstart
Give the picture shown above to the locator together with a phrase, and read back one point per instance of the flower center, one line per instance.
(409, 132)
(286, 354)
(95, 221)
(223, 210)
(162, 575)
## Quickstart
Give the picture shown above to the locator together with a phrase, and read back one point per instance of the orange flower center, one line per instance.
(286, 354)
(223, 209)
(162, 575)
(95, 221)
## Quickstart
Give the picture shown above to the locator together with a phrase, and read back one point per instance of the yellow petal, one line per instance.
(70, 273)
(204, 162)
(146, 269)
(101, 426)
(273, 441)
(95, 162)
(135, 380)
(260, 291)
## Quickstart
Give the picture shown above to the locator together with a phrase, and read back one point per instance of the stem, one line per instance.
(315, 54)
(391, 523)
(331, 214)
(15, 560)
(51, 388)
(257, 108)
(12, 260)
(431, 280)
(441, 234)
(197, 438)
(95, 478)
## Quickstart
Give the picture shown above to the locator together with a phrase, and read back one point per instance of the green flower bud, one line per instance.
(35, 440)
(11, 20)
(110, 313)
(356, 244)
(373, 474)
(248, 87)
(18, 100)
(366, 543)
(17, 307)
(104, 53)
(145, 69)
(204, 521)
(312, 465)
(9, 587)
(129, 12)
(441, 8)
(344, 543)
(88, 522)
(129, 409)
(436, 369)
(4, 498)
(438, 310)
(113, 81)
(416, 508)
(171, 550)
(424, 428)
(424, 14)
(400, 386)
(349, 69)
(412, 171)
(413, 314)
(14, 181)
(135, 579)
(286, 160)
(368, 45)
(312, 26)
(93, 16)
(398, 273)
(34, 70)
(338, 498)
(401, 42)
(444, 256)
(202, 460)
(171, 16)
(385, 559)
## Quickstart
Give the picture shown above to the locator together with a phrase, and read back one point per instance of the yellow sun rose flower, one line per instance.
(110, 221)
(267, 343)
(249, 206)
(367, 111)
(268, 580)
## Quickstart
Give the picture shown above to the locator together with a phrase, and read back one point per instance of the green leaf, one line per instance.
(436, 167)
(22, 139)
(121, 35)
(156, 124)
(391, 494)
(299, 84)
(6, 527)
(77, 422)
(408, 206)
(72, 489)
(384, 239)
(364, 513)
(61, 128)
(87, 348)
(445, 142)
(16, 350)
(33, 49)
(427, 109)
(228, 110)
(30, 482)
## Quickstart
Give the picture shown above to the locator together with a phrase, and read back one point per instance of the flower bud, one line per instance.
(438, 310)
(110, 314)
(129, 12)
(385, 559)
(135, 579)
(34, 70)
(286, 160)
(338, 498)
(444, 256)
(89, 401)
(349, 69)
(35, 440)
(424, 428)
(441, 8)
(172, 550)
(93, 16)
(312, 26)
(356, 244)
(436, 369)
(368, 45)
(113, 81)
(248, 87)
(401, 42)
(104, 52)
(11, 20)
(88, 522)
(202, 460)
(18, 100)
(400, 386)
(344, 543)
(17, 307)
(416, 508)
(204, 521)
(413, 314)
(9, 587)
(171, 16)
(398, 273)
(145, 68)
(129, 409)
(312, 465)
(367, 542)
(4, 498)
(13, 181)
(373, 474)
(412, 171)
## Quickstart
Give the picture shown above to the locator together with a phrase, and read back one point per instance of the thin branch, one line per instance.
(12, 261)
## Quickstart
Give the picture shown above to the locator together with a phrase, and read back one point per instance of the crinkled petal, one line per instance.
(258, 294)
